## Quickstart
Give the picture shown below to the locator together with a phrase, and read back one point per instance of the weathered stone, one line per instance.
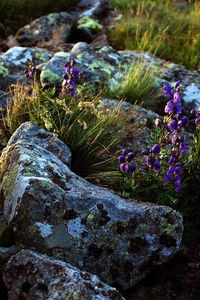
(94, 8)
(53, 210)
(139, 120)
(52, 29)
(29, 275)
(14, 62)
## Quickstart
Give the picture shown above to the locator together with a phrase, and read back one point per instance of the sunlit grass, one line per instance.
(90, 133)
(138, 86)
(160, 27)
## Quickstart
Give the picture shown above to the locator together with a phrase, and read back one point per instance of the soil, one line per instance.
(177, 280)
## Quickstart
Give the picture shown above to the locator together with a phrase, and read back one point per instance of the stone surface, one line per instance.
(52, 29)
(101, 68)
(53, 210)
(40, 277)
(94, 8)
(14, 62)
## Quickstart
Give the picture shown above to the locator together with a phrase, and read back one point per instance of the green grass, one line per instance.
(16, 13)
(138, 87)
(161, 27)
(90, 133)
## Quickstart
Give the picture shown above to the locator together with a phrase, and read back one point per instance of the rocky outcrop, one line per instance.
(40, 277)
(14, 62)
(53, 29)
(101, 68)
(52, 210)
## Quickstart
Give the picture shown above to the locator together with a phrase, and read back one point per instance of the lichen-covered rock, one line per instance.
(139, 120)
(110, 67)
(29, 276)
(53, 29)
(14, 62)
(53, 210)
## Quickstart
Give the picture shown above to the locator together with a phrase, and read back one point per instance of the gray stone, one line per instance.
(14, 62)
(94, 8)
(53, 210)
(29, 275)
(52, 29)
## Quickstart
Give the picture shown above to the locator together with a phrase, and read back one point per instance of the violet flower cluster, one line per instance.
(31, 72)
(70, 76)
(196, 114)
(165, 158)
(126, 163)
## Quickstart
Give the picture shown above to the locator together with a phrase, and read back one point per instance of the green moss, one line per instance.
(3, 70)
(50, 77)
(89, 23)
(90, 217)
(9, 181)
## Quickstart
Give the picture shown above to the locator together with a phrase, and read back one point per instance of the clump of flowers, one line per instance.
(71, 75)
(32, 72)
(165, 158)
(126, 163)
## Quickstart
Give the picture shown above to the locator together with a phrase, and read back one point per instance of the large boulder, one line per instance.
(52, 210)
(40, 277)
(53, 29)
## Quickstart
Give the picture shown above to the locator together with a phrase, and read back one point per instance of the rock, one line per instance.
(54, 211)
(85, 29)
(5, 254)
(94, 8)
(29, 275)
(14, 62)
(52, 29)
(139, 120)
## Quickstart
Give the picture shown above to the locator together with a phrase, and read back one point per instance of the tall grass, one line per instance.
(90, 133)
(138, 86)
(161, 27)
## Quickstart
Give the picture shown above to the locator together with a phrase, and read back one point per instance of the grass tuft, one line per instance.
(162, 27)
(138, 86)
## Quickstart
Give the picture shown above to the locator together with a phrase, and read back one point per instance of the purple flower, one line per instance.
(166, 178)
(157, 166)
(121, 159)
(183, 122)
(156, 148)
(183, 148)
(122, 167)
(150, 161)
(124, 152)
(172, 125)
(197, 121)
(172, 159)
(177, 97)
(178, 184)
(178, 107)
(132, 167)
(145, 152)
(179, 168)
(177, 84)
(175, 139)
(168, 91)
(130, 156)
(169, 108)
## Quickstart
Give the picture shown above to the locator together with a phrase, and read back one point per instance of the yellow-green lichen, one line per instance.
(9, 181)
(89, 23)
(3, 71)
(90, 217)
(48, 76)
